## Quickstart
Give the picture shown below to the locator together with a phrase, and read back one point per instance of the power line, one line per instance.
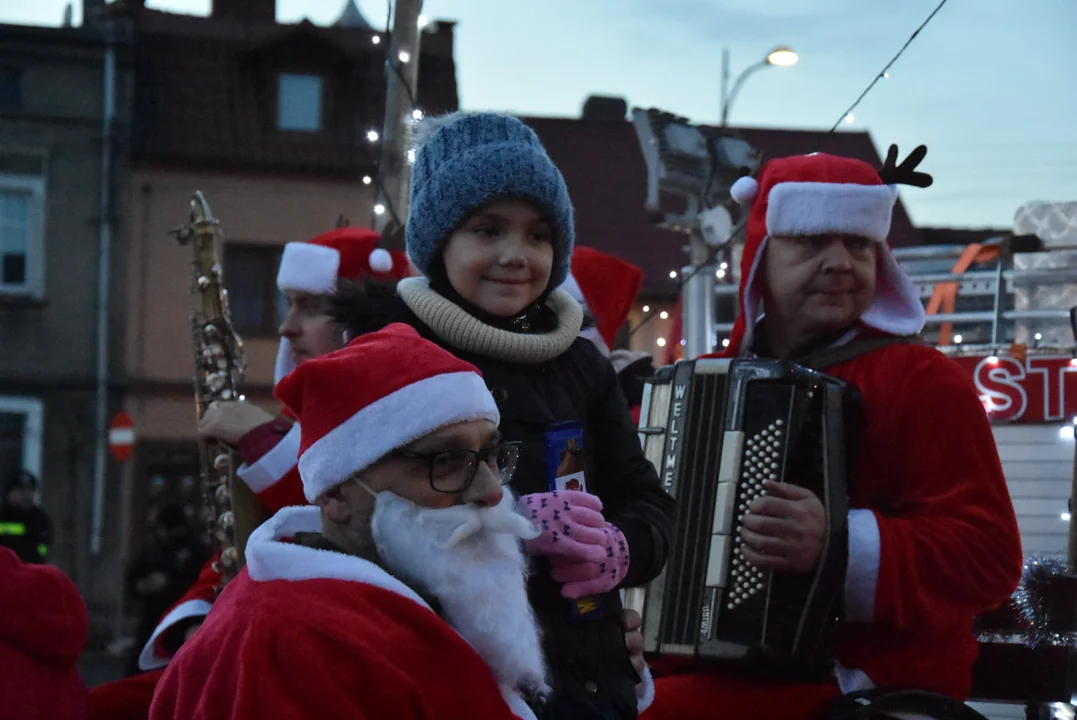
(883, 73)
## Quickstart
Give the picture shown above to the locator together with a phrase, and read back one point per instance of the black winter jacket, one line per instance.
(588, 663)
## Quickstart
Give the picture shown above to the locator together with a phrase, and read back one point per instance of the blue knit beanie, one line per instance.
(467, 159)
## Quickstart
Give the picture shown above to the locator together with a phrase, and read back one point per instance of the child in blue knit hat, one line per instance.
(490, 226)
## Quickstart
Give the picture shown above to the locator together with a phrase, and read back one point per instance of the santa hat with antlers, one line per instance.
(317, 265)
(821, 194)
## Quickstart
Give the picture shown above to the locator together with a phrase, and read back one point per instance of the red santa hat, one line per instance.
(814, 195)
(607, 286)
(315, 267)
(382, 391)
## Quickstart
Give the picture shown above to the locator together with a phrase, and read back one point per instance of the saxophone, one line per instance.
(220, 363)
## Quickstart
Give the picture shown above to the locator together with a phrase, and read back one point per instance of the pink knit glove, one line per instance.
(587, 577)
(570, 523)
(587, 553)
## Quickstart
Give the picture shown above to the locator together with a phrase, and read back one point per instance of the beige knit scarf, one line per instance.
(463, 331)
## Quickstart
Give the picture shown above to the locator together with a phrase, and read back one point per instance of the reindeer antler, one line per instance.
(905, 173)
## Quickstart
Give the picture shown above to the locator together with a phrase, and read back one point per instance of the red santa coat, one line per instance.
(305, 633)
(933, 538)
(43, 630)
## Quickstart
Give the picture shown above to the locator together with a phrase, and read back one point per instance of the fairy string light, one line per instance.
(383, 202)
(845, 117)
(885, 72)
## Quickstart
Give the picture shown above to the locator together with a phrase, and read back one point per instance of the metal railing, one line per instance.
(997, 283)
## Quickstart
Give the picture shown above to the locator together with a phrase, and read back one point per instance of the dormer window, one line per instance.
(299, 102)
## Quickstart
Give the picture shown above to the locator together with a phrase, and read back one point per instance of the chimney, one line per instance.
(248, 12)
(605, 107)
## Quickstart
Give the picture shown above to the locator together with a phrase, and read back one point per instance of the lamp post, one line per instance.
(778, 57)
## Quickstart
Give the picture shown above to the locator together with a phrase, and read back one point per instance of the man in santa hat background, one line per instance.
(402, 593)
(268, 444)
(933, 540)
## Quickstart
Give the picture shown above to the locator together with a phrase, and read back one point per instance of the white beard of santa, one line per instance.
(471, 560)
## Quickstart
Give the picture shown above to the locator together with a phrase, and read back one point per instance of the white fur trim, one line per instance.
(269, 559)
(305, 267)
(380, 260)
(744, 190)
(862, 573)
(851, 680)
(391, 422)
(517, 704)
(274, 465)
(897, 307)
(148, 659)
(645, 691)
(285, 361)
(818, 208)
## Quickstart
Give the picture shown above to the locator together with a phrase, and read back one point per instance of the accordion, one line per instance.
(716, 431)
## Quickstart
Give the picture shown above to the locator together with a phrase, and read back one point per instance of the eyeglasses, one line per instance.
(452, 471)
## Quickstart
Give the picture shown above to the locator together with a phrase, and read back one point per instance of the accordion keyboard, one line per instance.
(762, 462)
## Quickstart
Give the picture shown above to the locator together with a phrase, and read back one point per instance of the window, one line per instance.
(21, 235)
(299, 102)
(253, 298)
(20, 434)
(10, 88)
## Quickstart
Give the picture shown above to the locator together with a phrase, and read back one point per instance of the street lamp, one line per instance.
(778, 57)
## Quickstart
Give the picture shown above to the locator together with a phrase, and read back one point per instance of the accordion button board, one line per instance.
(717, 431)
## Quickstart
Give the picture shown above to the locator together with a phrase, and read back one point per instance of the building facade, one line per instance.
(270, 122)
(62, 172)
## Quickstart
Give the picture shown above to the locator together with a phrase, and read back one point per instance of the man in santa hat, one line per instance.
(402, 594)
(933, 540)
(606, 287)
(268, 444)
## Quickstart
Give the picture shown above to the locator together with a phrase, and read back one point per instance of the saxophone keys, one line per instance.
(222, 462)
(227, 520)
(226, 395)
(222, 495)
(229, 557)
(203, 282)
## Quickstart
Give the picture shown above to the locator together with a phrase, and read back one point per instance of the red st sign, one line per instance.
(1033, 390)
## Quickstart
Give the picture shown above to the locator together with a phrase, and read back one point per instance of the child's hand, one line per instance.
(586, 577)
(586, 553)
(571, 525)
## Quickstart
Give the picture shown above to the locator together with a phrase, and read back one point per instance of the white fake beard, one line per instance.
(471, 560)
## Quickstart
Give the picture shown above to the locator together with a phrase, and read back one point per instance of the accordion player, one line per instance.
(716, 430)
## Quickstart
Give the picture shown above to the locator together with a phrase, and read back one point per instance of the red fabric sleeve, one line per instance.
(950, 547)
(262, 439)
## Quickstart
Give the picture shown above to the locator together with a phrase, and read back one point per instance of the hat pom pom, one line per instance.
(380, 260)
(744, 190)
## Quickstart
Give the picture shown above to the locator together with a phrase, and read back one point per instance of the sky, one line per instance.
(988, 85)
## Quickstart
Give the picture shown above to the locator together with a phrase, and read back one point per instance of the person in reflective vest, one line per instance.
(24, 527)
